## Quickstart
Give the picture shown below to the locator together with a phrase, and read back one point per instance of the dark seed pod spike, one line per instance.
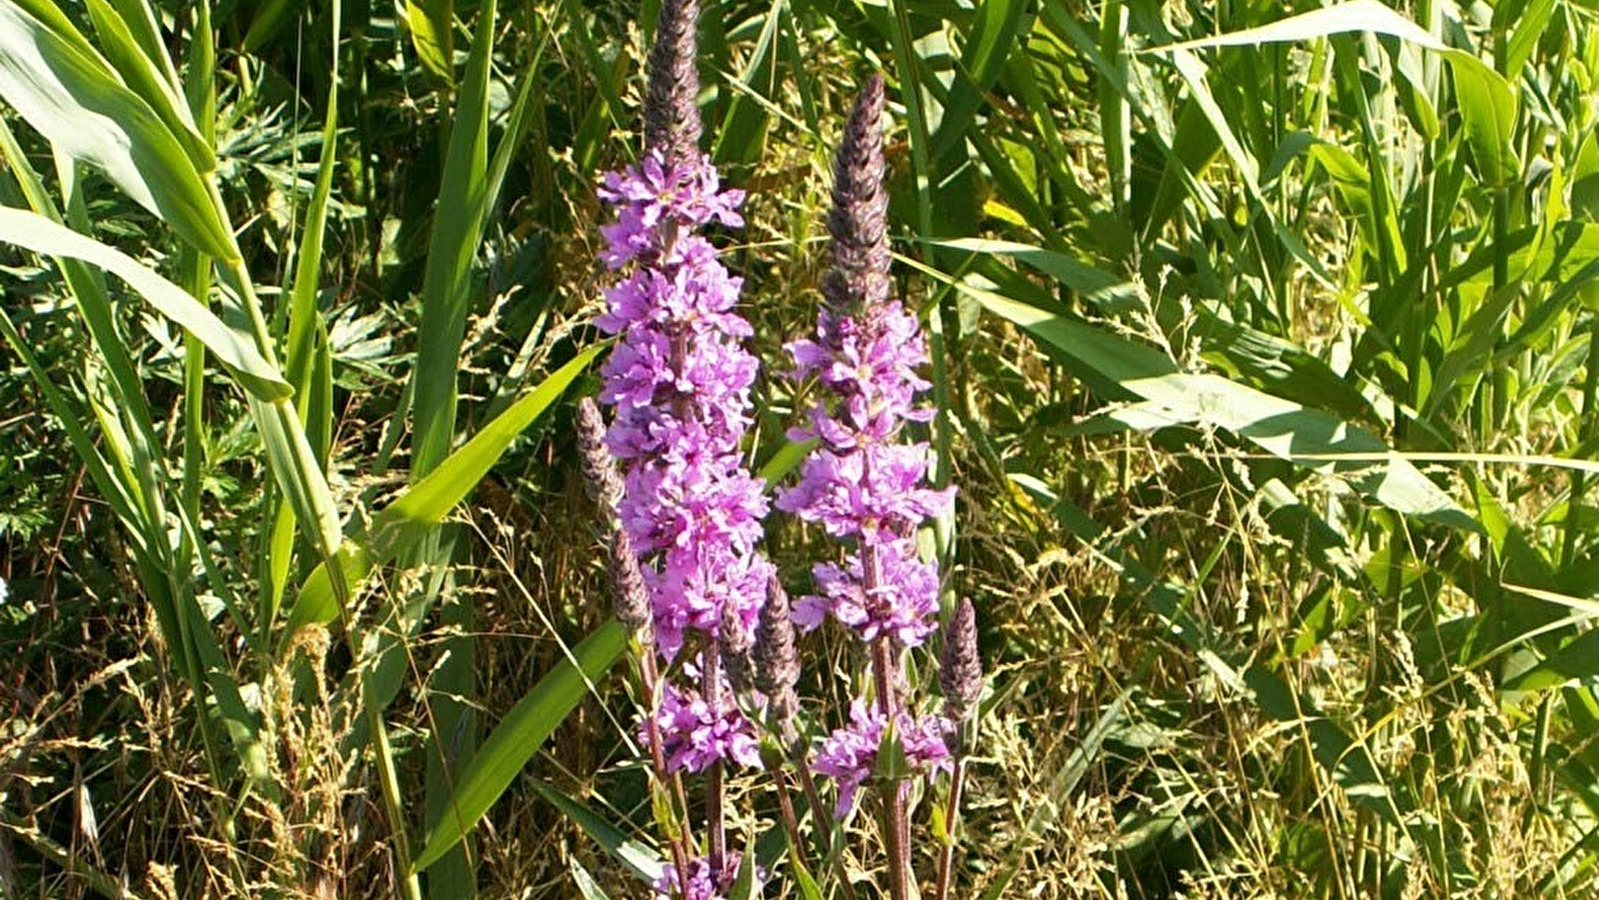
(776, 660)
(961, 670)
(734, 642)
(671, 118)
(858, 222)
(630, 596)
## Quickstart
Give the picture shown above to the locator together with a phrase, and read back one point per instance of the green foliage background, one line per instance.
(1264, 358)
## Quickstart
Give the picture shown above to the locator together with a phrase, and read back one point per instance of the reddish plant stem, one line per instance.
(679, 837)
(797, 757)
(946, 858)
(714, 778)
(896, 831)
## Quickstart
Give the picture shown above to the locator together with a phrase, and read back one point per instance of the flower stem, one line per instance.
(946, 857)
(896, 827)
(677, 833)
(715, 780)
(813, 797)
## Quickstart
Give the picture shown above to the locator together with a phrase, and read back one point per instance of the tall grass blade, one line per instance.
(518, 737)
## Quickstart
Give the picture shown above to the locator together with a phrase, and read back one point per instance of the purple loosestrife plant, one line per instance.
(678, 382)
(865, 485)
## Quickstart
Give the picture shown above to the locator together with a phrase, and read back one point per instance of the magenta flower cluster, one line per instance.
(702, 883)
(679, 381)
(696, 733)
(849, 755)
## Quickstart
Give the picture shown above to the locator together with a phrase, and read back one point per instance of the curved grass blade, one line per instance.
(76, 101)
(235, 351)
(426, 503)
(524, 729)
(644, 861)
(432, 27)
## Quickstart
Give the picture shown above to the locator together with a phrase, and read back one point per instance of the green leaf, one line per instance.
(519, 735)
(432, 26)
(1488, 113)
(71, 96)
(1576, 661)
(643, 860)
(1281, 427)
(1340, 18)
(151, 77)
(426, 503)
(235, 351)
(458, 221)
(586, 885)
(999, 28)
(742, 137)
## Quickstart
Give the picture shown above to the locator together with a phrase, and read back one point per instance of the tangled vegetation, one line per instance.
(1263, 358)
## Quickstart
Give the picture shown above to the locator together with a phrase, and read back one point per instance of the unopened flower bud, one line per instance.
(629, 594)
(734, 643)
(776, 661)
(671, 117)
(961, 670)
(858, 222)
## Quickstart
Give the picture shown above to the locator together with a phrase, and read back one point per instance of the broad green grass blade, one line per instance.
(78, 103)
(129, 55)
(430, 500)
(642, 860)
(432, 27)
(999, 29)
(1340, 18)
(1488, 112)
(742, 137)
(1487, 104)
(518, 737)
(308, 359)
(459, 218)
(235, 351)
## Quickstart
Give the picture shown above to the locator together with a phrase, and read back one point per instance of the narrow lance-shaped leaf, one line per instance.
(523, 730)
(428, 501)
(235, 351)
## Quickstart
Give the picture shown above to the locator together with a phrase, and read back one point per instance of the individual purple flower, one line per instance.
(849, 754)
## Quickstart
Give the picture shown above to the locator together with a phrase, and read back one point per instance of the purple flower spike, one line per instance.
(861, 482)
(678, 382)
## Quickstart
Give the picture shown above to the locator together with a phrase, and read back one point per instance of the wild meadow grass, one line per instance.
(1262, 358)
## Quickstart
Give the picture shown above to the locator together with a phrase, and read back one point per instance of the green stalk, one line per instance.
(307, 489)
(1579, 479)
